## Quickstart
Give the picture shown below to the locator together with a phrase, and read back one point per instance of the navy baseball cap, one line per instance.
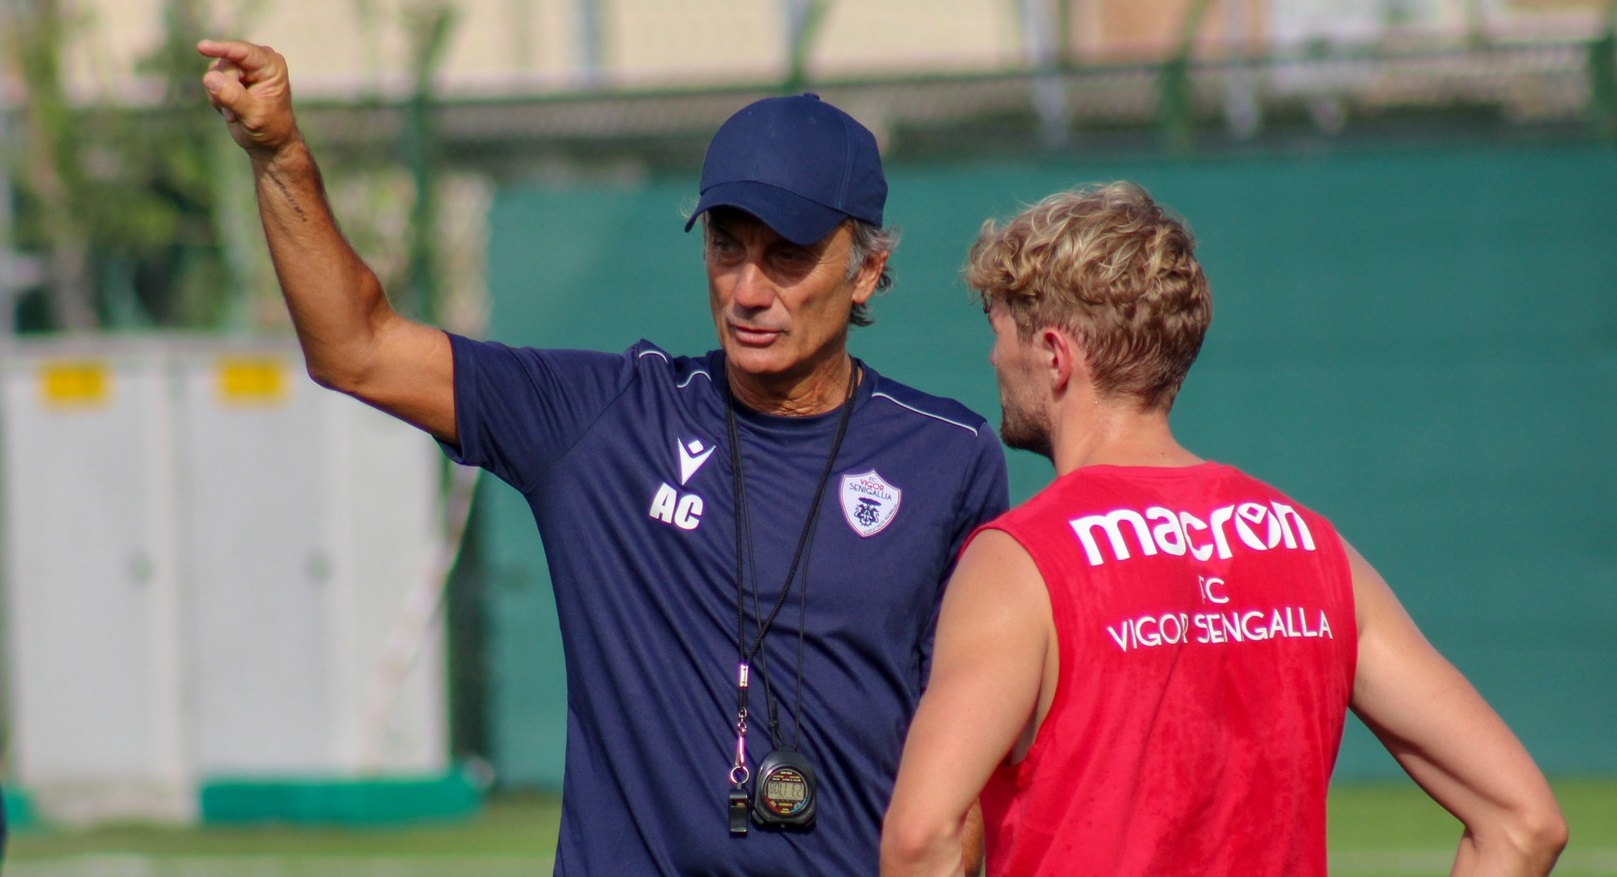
(798, 163)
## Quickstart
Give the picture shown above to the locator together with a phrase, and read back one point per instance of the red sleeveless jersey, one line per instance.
(1207, 643)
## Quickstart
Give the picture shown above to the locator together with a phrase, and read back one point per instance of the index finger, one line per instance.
(239, 52)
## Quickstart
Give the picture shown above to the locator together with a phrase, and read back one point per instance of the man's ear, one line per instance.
(1061, 358)
(864, 282)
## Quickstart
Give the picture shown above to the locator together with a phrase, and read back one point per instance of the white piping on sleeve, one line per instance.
(682, 384)
(880, 394)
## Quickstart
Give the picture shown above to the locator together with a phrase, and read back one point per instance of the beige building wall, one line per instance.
(896, 36)
(353, 47)
(1122, 31)
(356, 48)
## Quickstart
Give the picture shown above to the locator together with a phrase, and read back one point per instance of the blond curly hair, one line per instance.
(1115, 270)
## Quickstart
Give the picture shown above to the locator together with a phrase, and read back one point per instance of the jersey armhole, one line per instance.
(1063, 605)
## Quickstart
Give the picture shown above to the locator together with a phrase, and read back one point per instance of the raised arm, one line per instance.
(1450, 741)
(995, 642)
(352, 339)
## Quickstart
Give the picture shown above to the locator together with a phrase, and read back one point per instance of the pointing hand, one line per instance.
(248, 85)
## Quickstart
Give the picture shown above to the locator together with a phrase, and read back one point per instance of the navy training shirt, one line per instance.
(624, 459)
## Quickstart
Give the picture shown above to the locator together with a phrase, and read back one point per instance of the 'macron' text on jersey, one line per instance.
(1116, 535)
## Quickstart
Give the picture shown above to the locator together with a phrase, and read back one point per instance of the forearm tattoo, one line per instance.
(291, 201)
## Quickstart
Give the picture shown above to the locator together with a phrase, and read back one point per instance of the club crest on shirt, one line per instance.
(869, 503)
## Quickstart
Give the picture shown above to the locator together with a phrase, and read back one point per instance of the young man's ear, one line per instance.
(1061, 357)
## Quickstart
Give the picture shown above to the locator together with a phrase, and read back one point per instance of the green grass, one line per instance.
(1394, 829)
(1375, 830)
(511, 837)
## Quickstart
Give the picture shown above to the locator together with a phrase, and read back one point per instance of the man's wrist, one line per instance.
(290, 157)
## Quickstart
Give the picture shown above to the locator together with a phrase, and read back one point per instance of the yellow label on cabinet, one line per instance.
(247, 381)
(83, 384)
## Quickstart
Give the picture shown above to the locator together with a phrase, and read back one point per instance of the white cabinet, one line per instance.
(206, 564)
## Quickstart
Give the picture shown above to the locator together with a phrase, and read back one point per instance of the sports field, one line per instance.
(1375, 830)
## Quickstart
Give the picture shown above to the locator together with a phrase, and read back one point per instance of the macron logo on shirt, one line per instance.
(691, 457)
(1258, 526)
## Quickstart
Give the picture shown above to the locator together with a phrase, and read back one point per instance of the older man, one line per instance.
(748, 547)
(1145, 669)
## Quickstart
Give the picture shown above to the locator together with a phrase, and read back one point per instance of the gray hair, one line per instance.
(868, 240)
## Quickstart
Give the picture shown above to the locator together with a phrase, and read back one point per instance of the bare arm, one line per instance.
(352, 339)
(988, 669)
(971, 842)
(1450, 741)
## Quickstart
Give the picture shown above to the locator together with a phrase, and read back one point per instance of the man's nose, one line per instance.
(753, 289)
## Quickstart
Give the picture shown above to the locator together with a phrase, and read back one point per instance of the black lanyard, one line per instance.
(739, 773)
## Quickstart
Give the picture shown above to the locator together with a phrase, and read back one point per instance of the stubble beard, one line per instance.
(1025, 428)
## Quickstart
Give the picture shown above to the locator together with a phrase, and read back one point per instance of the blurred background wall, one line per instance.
(1406, 208)
(1392, 343)
(207, 563)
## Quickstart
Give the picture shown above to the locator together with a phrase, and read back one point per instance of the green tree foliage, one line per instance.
(51, 211)
(138, 209)
(118, 201)
(428, 24)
